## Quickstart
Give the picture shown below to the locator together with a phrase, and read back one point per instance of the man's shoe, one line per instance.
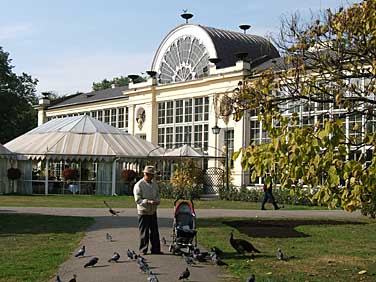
(157, 253)
(263, 209)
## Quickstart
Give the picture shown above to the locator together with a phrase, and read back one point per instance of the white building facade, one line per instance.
(193, 65)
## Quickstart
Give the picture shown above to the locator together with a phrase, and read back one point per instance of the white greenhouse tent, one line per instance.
(97, 150)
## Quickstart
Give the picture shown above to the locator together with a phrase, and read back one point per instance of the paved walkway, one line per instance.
(125, 235)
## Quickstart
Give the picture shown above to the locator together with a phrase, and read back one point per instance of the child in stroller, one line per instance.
(183, 232)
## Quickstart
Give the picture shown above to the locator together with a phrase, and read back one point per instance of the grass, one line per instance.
(33, 246)
(88, 201)
(326, 253)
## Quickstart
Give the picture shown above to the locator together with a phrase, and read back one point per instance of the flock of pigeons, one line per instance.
(191, 258)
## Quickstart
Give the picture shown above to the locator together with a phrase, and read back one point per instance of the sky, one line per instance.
(69, 44)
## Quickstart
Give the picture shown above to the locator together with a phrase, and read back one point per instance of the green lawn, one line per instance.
(33, 246)
(326, 253)
(85, 201)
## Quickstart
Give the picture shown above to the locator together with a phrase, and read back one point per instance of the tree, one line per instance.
(324, 81)
(117, 81)
(17, 95)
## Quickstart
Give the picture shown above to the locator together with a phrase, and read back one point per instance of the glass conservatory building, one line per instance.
(193, 65)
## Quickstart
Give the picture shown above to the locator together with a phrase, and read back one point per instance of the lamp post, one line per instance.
(216, 130)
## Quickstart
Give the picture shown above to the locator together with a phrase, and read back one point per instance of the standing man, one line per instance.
(146, 196)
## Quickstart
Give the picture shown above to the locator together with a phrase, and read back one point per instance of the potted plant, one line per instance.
(70, 174)
(14, 173)
(128, 175)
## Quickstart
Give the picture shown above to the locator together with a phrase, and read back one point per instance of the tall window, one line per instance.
(229, 141)
(185, 121)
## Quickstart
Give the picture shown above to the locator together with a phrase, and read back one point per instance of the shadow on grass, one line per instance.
(280, 228)
(12, 224)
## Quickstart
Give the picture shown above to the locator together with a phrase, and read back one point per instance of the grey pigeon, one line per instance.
(81, 252)
(130, 254)
(251, 278)
(152, 277)
(216, 260)
(185, 274)
(143, 266)
(280, 254)
(91, 262)
(57, 279)
(74, 278)
(115, 257)
(108, 237)
(188, 260)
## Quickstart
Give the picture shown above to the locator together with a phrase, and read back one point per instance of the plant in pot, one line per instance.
(129, 176)
(70, 174)
(13, 174)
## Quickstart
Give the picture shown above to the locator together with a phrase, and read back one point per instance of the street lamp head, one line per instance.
(216, 129)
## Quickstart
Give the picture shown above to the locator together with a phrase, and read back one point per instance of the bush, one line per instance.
(14, 173)
(369, 207)
(282, 196)
(169, 191)
(128, 175)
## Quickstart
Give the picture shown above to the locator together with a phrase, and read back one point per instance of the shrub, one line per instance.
(14, 173)
(369, 207)
(128, 175)
(282, 196)
(169, 191)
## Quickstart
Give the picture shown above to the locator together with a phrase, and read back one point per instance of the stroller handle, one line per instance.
(193, 206)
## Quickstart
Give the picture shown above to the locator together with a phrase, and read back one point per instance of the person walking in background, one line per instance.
(146, 196)
(268, 195)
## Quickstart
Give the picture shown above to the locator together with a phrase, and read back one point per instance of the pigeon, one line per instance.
(108, 237)
(81, 252)
(112, 212)
(201, 257)
(164, 242)
(217, 251)
(130, 254)
(135, 256)
(185, 274)
(152, 277)
(251, 278)
(188, 260)
(280, 254)
(57, 279)
(115, 257)
(242, 246)
(91, 262)
(143, 266)
(216, 260)
(74, 278)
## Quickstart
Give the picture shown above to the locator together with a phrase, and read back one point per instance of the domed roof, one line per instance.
(188, 48)
(229, 43)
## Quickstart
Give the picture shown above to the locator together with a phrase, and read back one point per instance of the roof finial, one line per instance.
(244, 27)
(186, 15)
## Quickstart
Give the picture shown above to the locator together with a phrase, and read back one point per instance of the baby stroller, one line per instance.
(183, 231)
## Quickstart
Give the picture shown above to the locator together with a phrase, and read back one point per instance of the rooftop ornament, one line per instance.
(244, 27)
(151, 73)
(186, 16)
(133, 77)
